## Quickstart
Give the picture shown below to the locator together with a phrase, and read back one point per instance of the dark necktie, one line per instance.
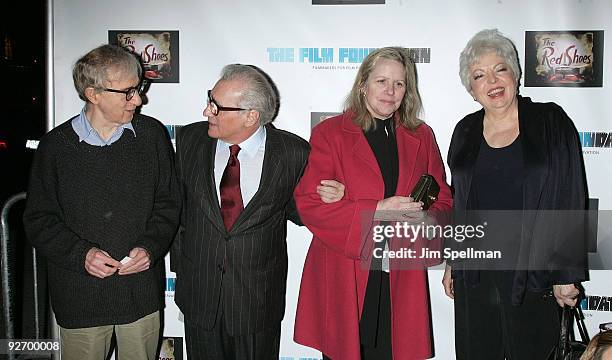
(231, 197)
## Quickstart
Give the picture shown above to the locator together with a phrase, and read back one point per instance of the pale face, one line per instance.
(232, 127)
(385, 88)
(493, 83)
(111, 109)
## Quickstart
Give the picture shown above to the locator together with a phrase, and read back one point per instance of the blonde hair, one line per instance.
(411, 104)
(598, 346)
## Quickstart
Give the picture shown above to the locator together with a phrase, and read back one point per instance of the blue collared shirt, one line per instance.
(82, 127)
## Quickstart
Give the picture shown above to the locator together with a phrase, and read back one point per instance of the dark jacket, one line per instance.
(243, 270)
(554, 180)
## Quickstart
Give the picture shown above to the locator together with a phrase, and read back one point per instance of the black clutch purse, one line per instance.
(426, 191)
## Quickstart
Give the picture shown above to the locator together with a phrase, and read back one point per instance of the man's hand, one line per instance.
(330, 191)
(566, 294)
(140, 262)
(99, 264)
(447, 282)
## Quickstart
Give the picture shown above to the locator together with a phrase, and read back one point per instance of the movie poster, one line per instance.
(347, 2)
(158, 51)
(171, 348)
(564, 58)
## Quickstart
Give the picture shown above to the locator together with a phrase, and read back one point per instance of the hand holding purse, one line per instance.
(426, 191)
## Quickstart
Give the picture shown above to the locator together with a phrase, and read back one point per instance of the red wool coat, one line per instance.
(334, 278)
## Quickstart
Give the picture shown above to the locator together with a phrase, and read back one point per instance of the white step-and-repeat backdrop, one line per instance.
(312, 51)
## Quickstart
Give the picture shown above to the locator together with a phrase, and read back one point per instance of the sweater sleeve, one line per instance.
(43, 219)
(163, 220)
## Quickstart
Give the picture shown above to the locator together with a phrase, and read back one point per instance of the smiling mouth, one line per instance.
(496, 92)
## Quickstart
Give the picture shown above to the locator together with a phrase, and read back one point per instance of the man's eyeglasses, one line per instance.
(130, 92)
(215, 108)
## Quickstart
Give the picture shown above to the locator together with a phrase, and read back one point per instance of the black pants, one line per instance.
(217, 344)
(489, 327)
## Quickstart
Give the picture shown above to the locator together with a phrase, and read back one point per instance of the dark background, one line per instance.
(22, 70)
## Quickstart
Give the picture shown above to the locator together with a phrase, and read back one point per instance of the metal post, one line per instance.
(6, 296)
(35, 285)
(49, 74)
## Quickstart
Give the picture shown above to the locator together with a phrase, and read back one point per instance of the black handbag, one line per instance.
(568, 348)
(426, 191)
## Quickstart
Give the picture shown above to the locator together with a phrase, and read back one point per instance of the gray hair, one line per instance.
(259, 92)
(97, 66)
(486, 41)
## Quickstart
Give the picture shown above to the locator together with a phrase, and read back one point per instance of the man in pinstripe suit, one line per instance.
(231, 264)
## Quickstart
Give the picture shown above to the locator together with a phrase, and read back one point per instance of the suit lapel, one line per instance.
(270, 174)
(208, 188)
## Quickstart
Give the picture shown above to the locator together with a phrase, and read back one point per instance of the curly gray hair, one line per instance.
(486, 41)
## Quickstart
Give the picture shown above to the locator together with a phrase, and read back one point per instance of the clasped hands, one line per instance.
(100, 264)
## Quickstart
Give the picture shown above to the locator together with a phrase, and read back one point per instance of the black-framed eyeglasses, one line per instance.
(130, 92)
(215, 108)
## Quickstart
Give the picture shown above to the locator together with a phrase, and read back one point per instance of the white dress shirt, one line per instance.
(251, 158)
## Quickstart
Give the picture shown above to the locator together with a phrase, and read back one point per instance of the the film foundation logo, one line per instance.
(172, 129)
(170, 286)
(329, 58)
(597, 303)
(564, 58)
(593, 141)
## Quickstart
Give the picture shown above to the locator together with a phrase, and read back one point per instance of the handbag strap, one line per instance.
(564, 335)
(584, 335)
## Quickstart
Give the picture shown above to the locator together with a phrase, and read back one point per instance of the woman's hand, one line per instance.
(401, 203)
(330, 191)
(566, 294)
(399, 208)
(447, 282)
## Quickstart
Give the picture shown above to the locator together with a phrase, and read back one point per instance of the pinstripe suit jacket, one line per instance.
(243, 270)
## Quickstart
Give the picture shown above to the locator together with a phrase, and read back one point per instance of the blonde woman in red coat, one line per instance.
(378, 149)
